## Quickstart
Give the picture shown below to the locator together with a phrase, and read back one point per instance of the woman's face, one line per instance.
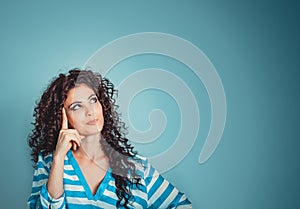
(84, 111)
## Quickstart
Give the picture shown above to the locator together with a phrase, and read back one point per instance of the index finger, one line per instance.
(64, 124)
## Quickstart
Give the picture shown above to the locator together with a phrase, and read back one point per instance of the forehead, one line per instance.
(79, 93)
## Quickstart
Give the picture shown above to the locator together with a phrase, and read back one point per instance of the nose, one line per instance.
(89, 111)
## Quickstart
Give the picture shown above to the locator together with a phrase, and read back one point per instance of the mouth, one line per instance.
(92, 122)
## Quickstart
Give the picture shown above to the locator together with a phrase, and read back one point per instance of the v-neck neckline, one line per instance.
(87, 189)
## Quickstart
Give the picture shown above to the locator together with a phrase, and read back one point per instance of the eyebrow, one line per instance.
(79, 101)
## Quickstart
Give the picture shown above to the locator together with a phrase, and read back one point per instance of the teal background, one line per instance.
(254, 46)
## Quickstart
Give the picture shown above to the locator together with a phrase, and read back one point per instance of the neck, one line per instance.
(91, 146)
(91, 150)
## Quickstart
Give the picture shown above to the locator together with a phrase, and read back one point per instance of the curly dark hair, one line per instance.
(48, 119)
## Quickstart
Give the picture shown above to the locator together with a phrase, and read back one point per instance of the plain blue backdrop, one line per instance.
(254, 46)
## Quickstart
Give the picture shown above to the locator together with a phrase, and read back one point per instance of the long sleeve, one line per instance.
(161, 193)
(40, 197)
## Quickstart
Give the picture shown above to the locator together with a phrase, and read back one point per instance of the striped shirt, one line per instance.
(154, 192)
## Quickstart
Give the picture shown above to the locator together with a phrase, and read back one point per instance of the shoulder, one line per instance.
(44, 160)
(139, 158)
(142, 165)
(140, 161)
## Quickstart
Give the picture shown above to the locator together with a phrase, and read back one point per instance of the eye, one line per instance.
(94, 100)
(75, 107)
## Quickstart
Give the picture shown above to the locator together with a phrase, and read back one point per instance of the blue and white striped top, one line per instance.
(155, 191)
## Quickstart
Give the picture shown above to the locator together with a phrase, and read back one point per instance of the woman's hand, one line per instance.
(67, 139)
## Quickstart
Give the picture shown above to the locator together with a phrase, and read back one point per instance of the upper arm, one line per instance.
(161, 193)
(40, 178)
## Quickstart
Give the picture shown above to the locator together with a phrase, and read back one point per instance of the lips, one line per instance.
(92, 122)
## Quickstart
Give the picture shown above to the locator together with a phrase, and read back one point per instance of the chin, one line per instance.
(89, 133)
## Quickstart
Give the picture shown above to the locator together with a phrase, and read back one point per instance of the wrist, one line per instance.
(58, 159)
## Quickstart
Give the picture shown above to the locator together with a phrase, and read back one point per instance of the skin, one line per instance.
(83, 112)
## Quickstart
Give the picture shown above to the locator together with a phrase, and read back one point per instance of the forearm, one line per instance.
(55, 181)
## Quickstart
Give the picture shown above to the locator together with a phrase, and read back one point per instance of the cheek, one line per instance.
(100, 111)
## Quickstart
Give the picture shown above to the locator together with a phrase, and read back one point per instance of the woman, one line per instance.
(82, 157)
